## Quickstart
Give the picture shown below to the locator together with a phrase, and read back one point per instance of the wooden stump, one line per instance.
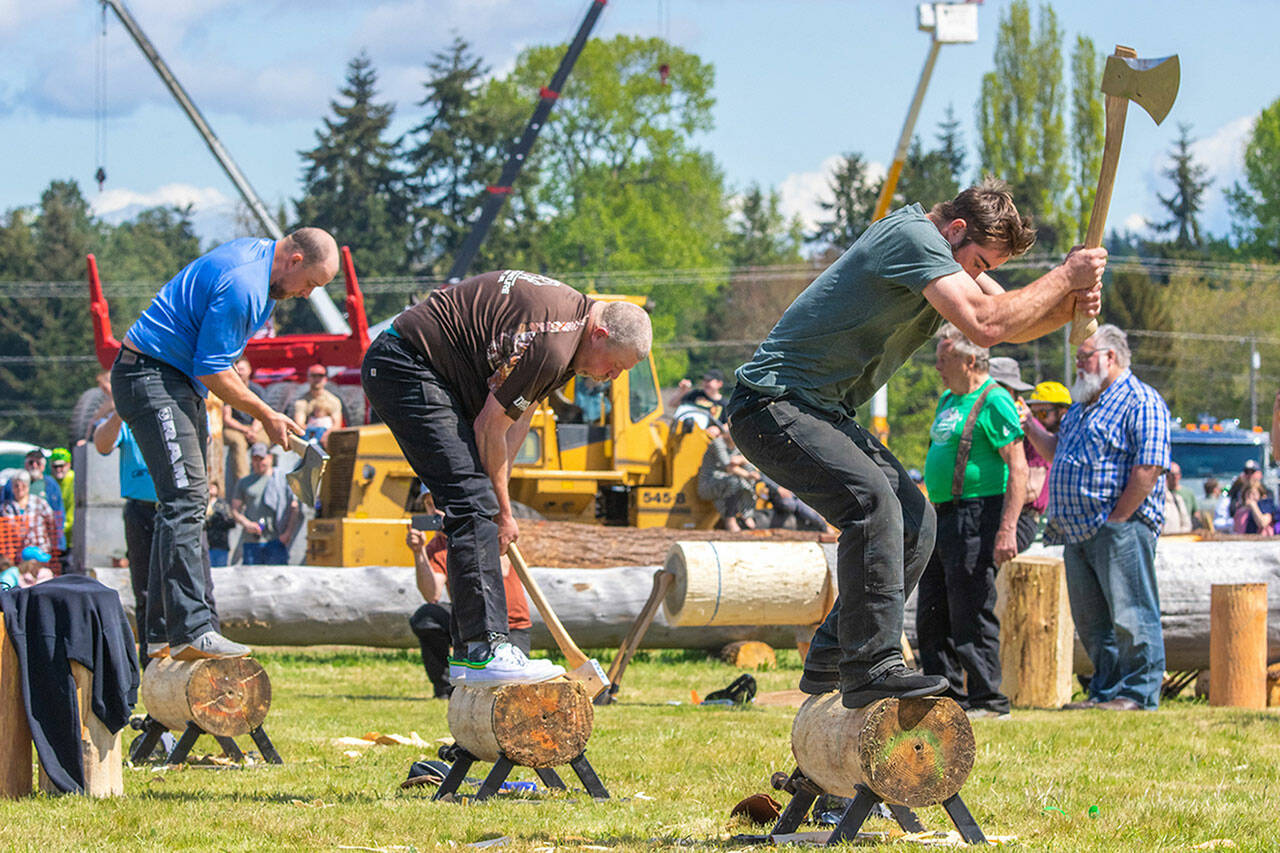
(1036, 632)
(1273, 685)
(1238, 645)
(911, 752)
(223, 697)
(534, 725)
(15, 734)
(100, 750)
(749, 654)
(747, 583)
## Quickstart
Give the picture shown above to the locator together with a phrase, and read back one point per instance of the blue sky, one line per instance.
(798, 82)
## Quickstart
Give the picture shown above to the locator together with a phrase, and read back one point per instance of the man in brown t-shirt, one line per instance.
(457, 378)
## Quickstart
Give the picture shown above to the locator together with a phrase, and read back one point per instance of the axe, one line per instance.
(584, 669)
(1151, 84)
(305, 478)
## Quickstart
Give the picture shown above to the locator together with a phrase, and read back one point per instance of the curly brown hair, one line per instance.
(991, 219)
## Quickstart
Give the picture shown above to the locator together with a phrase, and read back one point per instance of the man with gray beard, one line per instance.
(1106, 507)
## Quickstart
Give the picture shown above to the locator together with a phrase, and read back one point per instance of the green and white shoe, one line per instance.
(506, 665)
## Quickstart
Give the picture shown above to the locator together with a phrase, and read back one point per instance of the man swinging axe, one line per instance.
(793, 412)
(457, 378)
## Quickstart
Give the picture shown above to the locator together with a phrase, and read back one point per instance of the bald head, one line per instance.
(304, 260)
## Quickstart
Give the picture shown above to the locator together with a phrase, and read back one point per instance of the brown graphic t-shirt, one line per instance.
(511, 333)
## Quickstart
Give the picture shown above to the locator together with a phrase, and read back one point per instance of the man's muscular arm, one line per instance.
(231, 389)
(492, 428)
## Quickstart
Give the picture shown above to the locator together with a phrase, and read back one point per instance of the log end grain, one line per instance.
(535, 725)
(749, 654)
(223, 697)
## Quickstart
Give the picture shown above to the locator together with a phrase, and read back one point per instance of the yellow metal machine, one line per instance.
(629, 467)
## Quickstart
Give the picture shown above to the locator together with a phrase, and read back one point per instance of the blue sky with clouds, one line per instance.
(798, 82)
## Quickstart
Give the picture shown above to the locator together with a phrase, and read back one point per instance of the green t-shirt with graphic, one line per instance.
(859, 321)
(997, 425)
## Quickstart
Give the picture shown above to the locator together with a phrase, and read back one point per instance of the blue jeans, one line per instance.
(273, 553)
(1111, 582)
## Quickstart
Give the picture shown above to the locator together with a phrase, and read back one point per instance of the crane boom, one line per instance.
(330, 317)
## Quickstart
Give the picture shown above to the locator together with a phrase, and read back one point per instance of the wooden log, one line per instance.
(1238, 645)
(911, 752)
(100, 749)
(534, 725)
(749, 654)
(223, 697)
(1273, 685)
(1037, 634)
(15, 734)
(747, 583)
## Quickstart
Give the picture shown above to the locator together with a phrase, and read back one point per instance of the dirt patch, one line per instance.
(568, 545)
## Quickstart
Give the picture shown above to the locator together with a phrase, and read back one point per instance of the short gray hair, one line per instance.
(22, 476)
(1113, 338)
(981, 355)
(628, 326)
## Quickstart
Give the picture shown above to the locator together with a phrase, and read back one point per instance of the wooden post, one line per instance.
(224, 697)
(15, 734)
(1238, 645)
(534, 725)
(1036, 632)
(911, 752)
(100, 750)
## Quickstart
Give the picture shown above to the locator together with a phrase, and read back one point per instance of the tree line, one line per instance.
(618, 182)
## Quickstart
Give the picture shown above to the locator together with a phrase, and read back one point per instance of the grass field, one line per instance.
(1175, 779)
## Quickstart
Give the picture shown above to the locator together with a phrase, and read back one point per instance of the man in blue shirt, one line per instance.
(1106, 507)
(183, 346)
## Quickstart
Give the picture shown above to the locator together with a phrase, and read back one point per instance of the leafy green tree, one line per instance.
(851, 207)
(1185, 203)
(1087, 134)
(926, 177)
(352, 186)
(1256, 203)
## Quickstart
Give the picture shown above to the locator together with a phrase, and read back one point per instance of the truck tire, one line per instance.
(82, 413)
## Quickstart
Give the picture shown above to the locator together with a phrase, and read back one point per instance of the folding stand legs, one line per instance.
(462, 761)
(153, 730)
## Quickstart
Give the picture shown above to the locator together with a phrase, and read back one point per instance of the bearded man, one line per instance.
(1106, 507)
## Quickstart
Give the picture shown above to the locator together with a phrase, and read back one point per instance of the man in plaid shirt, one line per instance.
(1105, 507)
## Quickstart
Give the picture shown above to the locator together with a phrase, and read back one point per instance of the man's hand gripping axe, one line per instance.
(1151, 84)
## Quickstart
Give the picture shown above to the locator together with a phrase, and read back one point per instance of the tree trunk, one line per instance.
(1238, 645)
(912, 752)
(1036, 632)
(748, 583)
(223, 697)
(534, 725)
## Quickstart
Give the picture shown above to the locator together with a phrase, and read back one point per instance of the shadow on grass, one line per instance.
(362, 697)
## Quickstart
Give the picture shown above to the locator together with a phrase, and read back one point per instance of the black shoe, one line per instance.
(895, 683)
(818, 681)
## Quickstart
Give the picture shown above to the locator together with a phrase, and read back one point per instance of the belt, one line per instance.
(129, 355)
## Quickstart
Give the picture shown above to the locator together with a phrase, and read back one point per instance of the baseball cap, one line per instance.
(1006, 371)
(31, 552)
(1250, 465)
(1051, 392)
(714, 373)
(258, 449)
(60, 454)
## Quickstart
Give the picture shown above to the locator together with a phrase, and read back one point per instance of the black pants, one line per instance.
(956, 623)
(439, 443)
(168, 419)
(886, 525)
(430, 624)
(139, 528)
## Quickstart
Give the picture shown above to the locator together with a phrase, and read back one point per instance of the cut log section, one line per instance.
(1037, 634)
(911, 752)
(1238, 645)
(101, 750)
(748, 583)
(749, 654)
(534, 725)
(223, 697)
(15, 734)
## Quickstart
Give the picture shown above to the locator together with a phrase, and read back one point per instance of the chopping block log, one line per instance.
(223, 697)
(910, 752)
(533, 725)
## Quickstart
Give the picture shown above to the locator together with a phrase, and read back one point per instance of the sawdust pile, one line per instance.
(569, 545)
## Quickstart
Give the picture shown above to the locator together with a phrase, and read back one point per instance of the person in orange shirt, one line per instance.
(430, 622)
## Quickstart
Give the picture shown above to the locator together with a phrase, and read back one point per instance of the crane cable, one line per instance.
(100, 102)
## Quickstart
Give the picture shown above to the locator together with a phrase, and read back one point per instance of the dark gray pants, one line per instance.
(168, 420)
(439, 443)
(886, 525)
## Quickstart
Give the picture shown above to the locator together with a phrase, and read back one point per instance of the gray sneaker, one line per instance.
(156, 651)
(210, 644)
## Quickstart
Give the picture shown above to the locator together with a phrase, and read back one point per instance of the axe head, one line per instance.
(305, 478)
(1150, 83)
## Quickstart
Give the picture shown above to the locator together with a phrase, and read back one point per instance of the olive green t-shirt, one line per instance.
(997, 425)
(859, 321)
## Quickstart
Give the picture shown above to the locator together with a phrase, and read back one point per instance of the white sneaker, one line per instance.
(507, 665)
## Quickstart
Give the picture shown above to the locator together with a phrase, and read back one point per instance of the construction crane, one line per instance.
(330, 317)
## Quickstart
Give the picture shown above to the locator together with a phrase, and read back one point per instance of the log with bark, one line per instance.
(748, 583)
(223, 697)
(533, 725)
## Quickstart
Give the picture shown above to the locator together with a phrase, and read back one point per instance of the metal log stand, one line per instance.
(462, 760)
(153, 730)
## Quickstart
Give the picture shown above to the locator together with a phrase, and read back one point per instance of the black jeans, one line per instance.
(956, 623)
(139, 529)
(885, 523)
(168, 420)
(439, 443)
(430, 624)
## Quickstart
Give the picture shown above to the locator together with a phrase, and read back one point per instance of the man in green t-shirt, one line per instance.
(792, 413)
(976, 474)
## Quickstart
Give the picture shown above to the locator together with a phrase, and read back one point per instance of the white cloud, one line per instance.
(116, 204)
(801, 193)
(1135, 223)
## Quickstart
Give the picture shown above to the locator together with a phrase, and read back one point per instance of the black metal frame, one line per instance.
(462, 761)
(153, 729)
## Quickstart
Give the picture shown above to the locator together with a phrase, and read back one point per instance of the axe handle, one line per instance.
(662, 580)
(566, 644)
(1083, 326)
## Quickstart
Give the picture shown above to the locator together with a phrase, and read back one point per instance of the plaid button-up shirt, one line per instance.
(1098, 445)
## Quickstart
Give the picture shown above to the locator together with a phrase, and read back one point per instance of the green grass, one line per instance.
(1173, 779)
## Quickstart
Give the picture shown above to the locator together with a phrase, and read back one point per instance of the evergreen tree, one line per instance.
(1087, 134)
(351, 184)
(761, 236)
(1186, 201)
(926, 177)
(852, 205)
(951, 144)
(64, 233)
